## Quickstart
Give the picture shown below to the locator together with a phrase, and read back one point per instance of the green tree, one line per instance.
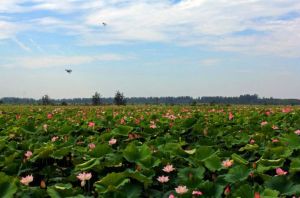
(46, 100)
(119, 99)
(64, 103)
(96, 99)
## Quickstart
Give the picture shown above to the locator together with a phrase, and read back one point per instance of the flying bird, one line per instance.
(69, 70)
(104, 24)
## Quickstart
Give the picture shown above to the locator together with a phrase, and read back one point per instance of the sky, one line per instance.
(149, 48)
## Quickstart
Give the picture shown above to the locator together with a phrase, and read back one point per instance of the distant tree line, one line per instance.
(120, 99)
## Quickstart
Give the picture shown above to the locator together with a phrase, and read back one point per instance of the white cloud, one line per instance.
(58, 61)
(7, 29)
(212, 24)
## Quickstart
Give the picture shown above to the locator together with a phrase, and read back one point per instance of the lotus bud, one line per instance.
(227, 190)
(43, 184)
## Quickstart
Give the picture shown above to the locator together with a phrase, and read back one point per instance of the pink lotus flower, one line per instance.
(279, 171)
(268, 113)
(153, 125)
(83, 177)
(227, 163)
(132, 136)
(263, 123)
(122, 121)
(91, 124)
(137, 121)
(275, 140)
(54, 138)
(275, 127)
(28, 154)
(252, 141)
(231, 116)
(163, 179)
(26, 180)
(197, 193)
(181, 190)
(112, 141)
(18, 117)
(171, 195)
(256, 195)
(172, 117)
(297, 132)
(92, 146)
(168, 168)
(49, 116)
(287, 110)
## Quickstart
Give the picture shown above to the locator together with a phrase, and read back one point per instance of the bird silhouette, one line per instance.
(69, 70)
(104, 24)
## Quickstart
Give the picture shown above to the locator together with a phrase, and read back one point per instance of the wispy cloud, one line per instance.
(21, 45)
(211, 24)
(58, 61)
(38, 47)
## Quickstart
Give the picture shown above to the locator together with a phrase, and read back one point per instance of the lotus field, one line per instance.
(150, 151)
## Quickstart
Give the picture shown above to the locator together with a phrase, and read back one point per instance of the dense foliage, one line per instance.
(149, 151)
(243, 99)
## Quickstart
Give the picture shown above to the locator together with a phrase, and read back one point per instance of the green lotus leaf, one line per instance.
(87, 165)
(111, 182)
(149, 162)
(295, 165)
(173, 149)
(291, 140)
(204, 152)
(188, 123)
(61, 153)
(244, 191)
(43, 152)
(133, 153)
(237, 174)
(191, 152)
(192, 177)
(63, 190)
(249, 147)
(211, 189)
(63, 186)
(239, 159)
(131, 190)
(267, 164)
(277, 152)
(100, 150)
(213, 163)
(283, 185)
(269, 193)
(138, 176)
(122, 130)
(7, 186)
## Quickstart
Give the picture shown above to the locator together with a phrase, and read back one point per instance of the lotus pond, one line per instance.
(150, 151)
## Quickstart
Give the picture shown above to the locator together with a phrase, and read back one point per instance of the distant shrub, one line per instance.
(119, 99)
(96, 99)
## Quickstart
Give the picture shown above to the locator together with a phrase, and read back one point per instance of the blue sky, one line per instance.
(150, 48)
